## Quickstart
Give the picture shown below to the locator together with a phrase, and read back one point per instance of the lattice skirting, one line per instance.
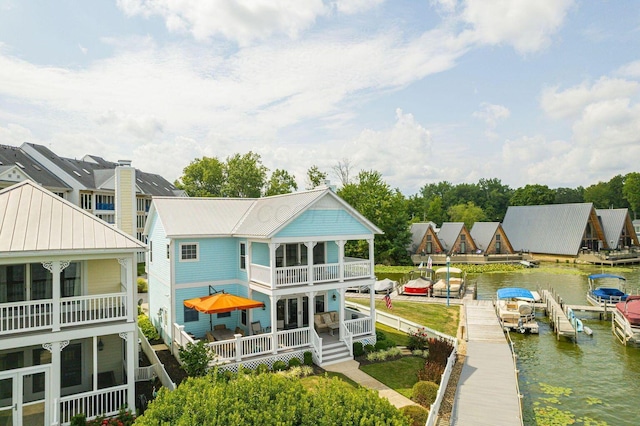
(269, 360)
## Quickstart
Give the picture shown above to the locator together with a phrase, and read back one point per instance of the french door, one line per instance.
(294, 311)
(24, 395)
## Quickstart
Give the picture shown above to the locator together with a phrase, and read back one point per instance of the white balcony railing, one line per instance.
(103, 402)
(359, 326)
(34, 315)
(91, 309)
(299, 275)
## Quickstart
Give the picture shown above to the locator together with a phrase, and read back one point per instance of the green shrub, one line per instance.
(368, 348)
(294, 362)
(143, 286)
(431, 372)
(417, 414)
(78, 420)
(424, 393)
(358, 350)
(147, 328)
(262, 368)
(196, 358)
(279, 366)
(308, 358)
(380, 336)
(202, 401)
(418, 339)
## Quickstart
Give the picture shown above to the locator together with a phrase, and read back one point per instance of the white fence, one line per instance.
(155, 362)
(104, 402)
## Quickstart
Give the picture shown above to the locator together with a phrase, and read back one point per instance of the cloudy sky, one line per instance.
(543, 91)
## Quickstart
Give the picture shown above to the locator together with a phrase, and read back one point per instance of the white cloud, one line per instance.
(631, 70)
(350, 7)
(242, 22)
(570, 103)
(15, 135)
(526, 25)
(491, 114)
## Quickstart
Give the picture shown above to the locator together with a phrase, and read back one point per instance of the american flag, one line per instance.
(387, 300)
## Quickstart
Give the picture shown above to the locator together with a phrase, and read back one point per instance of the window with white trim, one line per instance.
(243, 256)
(189, 252)
(190, 315)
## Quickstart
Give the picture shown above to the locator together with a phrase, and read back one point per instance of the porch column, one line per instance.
(274, 323)
(56, 267)
(128, 278)
(371, 257)
(311, 306)
(341, 293)
(54, 377)
(272, 262)
(94, 370)
(310, 275)
(340, 244)
(131, 347)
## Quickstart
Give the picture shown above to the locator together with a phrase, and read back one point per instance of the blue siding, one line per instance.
(332, 252)
(218, 259)
(324, 222)
(260, 254)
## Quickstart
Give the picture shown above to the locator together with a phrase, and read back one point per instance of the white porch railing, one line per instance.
(359, 326)
(299, 275)
(91, 309)
(181, 337)
(145, 373)
(103, 402)
(316, 342)
(21, 316)
(296, 338)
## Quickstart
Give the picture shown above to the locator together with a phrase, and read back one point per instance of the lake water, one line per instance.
(593, 382)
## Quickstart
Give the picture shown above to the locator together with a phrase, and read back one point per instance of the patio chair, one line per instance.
(256, 328)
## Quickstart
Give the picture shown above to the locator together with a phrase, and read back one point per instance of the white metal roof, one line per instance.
(251, 217)
(33, 219)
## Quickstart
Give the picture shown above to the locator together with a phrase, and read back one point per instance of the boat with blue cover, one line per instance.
(606, 289)
(515, 309)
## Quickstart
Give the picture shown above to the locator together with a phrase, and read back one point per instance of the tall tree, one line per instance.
(631, 191)
(343, 171)
(281, 182)
(606, 195)
(245, 176)
(315, 177)
(203, 177)
(468, 213)
(494, 198)
(569, 195)
(532, 195)
(386, 208)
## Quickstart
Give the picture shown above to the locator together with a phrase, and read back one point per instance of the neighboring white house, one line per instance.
(287, 251)
(68, 333)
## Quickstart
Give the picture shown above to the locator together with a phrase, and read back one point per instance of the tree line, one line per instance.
(487, 200)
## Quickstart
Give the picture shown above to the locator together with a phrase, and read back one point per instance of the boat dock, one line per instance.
(558, 318)
(488, 392)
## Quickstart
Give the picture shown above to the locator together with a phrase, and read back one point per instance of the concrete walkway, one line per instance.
(487, 392)
(351, 370)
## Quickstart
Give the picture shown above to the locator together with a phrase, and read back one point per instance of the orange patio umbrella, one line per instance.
(221, 302)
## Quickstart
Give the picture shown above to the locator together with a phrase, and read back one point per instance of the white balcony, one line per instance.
(289, 276)
(35, 315)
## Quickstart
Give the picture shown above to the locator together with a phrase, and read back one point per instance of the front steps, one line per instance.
(334, 353)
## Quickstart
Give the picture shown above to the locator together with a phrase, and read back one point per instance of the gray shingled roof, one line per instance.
(249, 217)
(33, 219)
(417, 233)
(11, 155)
(92, 171)
(483, 232)
(549, 229)
(613, 221)
(448, 234)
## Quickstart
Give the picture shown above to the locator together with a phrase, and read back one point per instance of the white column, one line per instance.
(312, 305)
(341, 259)
(341, 294)
(310, 245)
(54, 378)
(371, 258)
(56, 268)
(128, 275)
(273, 300)
(131, 367)
(94, 385)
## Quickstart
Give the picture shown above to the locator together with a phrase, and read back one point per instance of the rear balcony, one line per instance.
(289, 276)
(49, 314)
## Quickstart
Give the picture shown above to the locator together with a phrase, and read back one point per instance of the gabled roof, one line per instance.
(483, 232)
(550, 229)
(32, 219)
(448, 234)
(613, 221)
(245, 217)
(417, 233)
(14, 156)
(94, 172)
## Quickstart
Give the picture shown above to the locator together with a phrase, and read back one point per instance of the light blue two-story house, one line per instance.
(287, 251)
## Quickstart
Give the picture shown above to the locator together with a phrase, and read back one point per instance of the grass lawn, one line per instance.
(400, 375)
(399, 338)
(436, 316)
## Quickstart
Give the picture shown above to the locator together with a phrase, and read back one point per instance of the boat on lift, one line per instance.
(625, 322)
(606, 289)
(515, 310)
(420, 284)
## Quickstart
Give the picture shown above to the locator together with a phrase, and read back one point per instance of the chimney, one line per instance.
(126, 197)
